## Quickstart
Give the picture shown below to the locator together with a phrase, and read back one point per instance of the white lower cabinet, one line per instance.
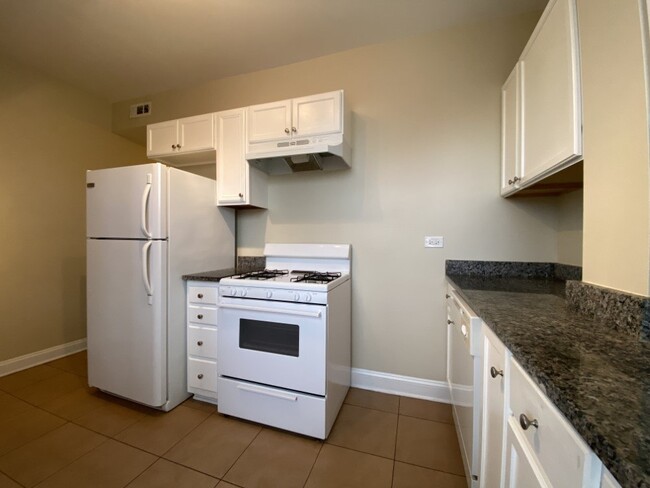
(202, 339)
(526, 441)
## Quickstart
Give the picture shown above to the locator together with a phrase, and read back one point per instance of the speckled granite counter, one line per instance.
(215, 275)
(597, 377)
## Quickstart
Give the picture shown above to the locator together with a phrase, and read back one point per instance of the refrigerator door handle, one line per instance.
(145, 271)
(145, 200)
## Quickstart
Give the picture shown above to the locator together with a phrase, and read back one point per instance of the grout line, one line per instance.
(244, 450)
(434, 469)
(322, 443)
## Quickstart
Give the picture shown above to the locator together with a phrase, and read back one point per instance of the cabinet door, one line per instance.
(317, 114)
(162, 138)
(521, 468)
(510, 132)
(232, 167)
(551, 107)
(196, 133)
(493, 419)
(269, 121)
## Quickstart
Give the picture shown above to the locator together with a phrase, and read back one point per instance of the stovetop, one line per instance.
(286, 276)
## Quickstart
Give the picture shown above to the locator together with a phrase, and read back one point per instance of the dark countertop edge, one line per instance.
(215, 275)
(554, 394)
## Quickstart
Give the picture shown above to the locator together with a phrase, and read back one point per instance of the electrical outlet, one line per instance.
(434, 241)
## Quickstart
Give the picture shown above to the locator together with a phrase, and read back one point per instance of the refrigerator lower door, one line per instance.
(127, 318)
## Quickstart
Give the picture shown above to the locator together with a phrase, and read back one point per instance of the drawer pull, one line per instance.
(200, 343)
(495, 372)
(525, 422)
(200, 295)
(199, 316)
(450, 322)
(447, 295)
(200, 376)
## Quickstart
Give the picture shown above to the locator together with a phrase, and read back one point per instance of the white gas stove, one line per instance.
(284, 338)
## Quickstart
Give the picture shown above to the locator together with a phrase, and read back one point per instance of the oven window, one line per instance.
(273, 337)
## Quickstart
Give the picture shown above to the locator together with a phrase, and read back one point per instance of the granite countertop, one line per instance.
(598, 377)
(215, 275)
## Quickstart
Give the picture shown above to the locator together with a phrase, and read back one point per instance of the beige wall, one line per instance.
(569, 230)
(425, 137)
(49, 135)
(616, 199)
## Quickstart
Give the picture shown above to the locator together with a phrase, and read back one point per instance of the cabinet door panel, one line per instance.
(510, 131)
(521, 469)
(269, 121)
(551, 113)
(232, 167)
(317, 114)
(196, 133)
(161, 137)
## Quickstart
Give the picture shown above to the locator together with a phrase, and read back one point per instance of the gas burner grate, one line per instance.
(316, 277)
(265, 274)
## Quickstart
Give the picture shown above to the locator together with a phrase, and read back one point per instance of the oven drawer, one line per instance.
(202, 315)
(206, 295)
(284, 409)
(562, 454)
(202, 374)
(202, 341)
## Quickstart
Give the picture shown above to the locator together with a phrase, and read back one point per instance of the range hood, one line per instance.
(321, 153)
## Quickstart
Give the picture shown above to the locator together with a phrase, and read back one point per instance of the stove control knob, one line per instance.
(269, 294)
(296, 297)
(233, 291)
(308, 297)
(243, 293)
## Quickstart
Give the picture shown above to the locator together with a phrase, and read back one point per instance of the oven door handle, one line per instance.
(264, 391)
(283, 311)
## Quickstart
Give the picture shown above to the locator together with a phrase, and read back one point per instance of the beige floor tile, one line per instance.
(409, 476)
(425, 409)
(110, 418)
(25, 427)
(164, 474)
(6, 482)
(75, 363)
(111, 465)
(11, 406)
(275, 458)
(428, 444)
(199, 405)
(75, 404)
(51, 388)
(159, 431)
(214, 447)
(225, 484)
(337, 467)
(46, 455)
(372, 399)
(365, 429)
(17, 381)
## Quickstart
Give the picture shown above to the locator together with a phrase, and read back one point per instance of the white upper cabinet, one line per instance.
(238, 184)
(184, 141)
(299, 117)
(510, 131)
(544, 108)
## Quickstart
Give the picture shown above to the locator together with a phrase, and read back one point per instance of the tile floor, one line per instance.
(57, 432)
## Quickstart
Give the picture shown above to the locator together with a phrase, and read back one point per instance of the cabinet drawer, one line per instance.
(560, 451)
(202, 294)
(202, 341)
(202, 374)
(202, 315)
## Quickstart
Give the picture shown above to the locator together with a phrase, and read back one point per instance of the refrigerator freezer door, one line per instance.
(127, 203)
(127, 321)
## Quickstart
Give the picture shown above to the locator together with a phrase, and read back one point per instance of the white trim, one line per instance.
(39, 357)
(401, 385)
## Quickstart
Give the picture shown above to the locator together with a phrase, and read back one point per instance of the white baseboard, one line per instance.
(39, 357)
(401, 385)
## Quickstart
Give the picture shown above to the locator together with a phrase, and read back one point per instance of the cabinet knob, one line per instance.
(199, 343)
(200, 376)
(514, 180)
(510, 182)
(495, 372)
(293, 129)
(525, 422)
(173, 146)
(286, 130)
(241, 195)
(199, 316)
(200, 295)
(450, 322)
(178, 146)
(447, 295)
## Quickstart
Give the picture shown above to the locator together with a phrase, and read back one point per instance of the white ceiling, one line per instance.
(121, 49)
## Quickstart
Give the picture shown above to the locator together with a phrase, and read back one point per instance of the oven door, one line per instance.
(273, 343)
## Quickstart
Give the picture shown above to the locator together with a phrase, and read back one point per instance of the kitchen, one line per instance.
(426, 162)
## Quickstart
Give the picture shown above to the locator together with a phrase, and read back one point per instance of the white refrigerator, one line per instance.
(147, 225)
